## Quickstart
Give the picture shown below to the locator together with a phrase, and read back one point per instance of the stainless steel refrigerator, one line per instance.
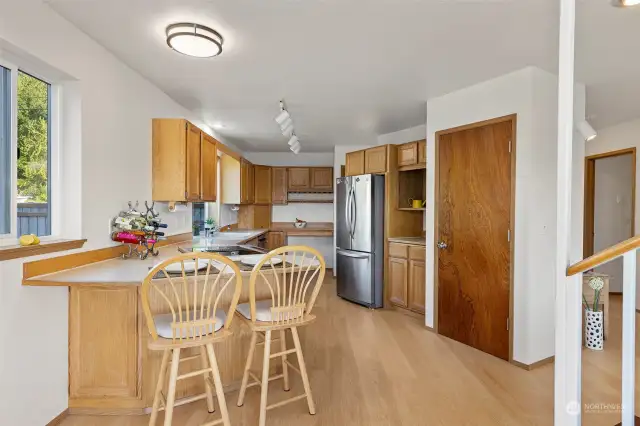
(360, 239)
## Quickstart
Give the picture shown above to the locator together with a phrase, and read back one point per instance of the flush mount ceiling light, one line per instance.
(625, 3)
(194, 40)
(586, 130)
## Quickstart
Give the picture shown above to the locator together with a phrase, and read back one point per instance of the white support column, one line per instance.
(568, 341)
(628, 338)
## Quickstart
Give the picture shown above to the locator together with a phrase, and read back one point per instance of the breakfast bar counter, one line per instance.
(111, 371)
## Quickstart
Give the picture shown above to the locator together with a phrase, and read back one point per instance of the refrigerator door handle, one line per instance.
(355, 256)
(347, 211)
(353, 215)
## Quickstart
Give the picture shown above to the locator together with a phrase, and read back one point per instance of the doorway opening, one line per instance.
(609, 207)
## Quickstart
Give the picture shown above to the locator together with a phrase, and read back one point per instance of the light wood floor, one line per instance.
(378, 368)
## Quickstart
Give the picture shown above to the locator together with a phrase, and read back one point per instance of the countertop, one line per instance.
(415, 241)
(121, 272)
(312, 229)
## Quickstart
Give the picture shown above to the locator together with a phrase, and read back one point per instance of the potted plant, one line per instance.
(594, 317)
(196, 230)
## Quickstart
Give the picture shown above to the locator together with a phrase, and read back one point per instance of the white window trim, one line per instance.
(54, 179)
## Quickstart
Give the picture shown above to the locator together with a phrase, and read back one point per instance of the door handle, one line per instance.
(442, 245)
(355, 256)
(347, 211)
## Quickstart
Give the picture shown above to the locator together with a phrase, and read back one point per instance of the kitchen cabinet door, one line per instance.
(408, 154)
(275, 239)
(209, 168)
(251, 191)
(398, 281)
(262, 184)
(322, 179)
(354, 165)
(246, 187)
(417, 283)
(422, 152)
(299, 179)
(279, 189)
(375, 160)
(194, 141)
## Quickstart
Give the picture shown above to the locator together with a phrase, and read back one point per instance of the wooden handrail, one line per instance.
(604, 256)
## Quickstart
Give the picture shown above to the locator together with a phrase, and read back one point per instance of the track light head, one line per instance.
(294, 140)
(283, 117)
(586, 130)
(296, 148)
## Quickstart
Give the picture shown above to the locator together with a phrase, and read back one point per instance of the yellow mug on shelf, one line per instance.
(417, 204)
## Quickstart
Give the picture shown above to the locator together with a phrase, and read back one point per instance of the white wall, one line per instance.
(106, 153)
(311, 212)
(531, 94)
(620, 136)
(613, 210)
(406, 135)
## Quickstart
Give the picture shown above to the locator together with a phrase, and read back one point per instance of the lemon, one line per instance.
(27, 240)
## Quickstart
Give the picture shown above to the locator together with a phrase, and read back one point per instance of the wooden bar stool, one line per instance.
(195, 320)
(294, 286)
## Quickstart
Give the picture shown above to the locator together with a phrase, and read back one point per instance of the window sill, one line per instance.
(17, 251)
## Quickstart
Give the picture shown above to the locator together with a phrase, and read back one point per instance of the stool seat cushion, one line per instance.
(163, 323)
(263, 310)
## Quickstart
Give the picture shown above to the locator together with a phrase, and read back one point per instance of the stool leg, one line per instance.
(207, 383)
(245, 377)
(159, 387)
(285, 369)
(171, 394)
(222, 402)
(303, 371)
(265, 379)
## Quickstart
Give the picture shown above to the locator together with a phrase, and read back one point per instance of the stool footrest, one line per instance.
(293, 367)
(213, 423)
(195, 373)
(258, 381)
(184, 401)
(286, 401)
(278, 354)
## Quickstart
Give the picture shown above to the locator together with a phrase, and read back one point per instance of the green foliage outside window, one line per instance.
(33, 114)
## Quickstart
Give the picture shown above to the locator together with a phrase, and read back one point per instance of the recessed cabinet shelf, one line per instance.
(411, 186)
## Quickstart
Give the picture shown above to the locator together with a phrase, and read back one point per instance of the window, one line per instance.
(25, 154)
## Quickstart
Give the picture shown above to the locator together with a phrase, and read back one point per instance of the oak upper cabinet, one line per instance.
(408, 154)
(354, 165)
(262, 184)
(252, 184)
(209, 168)
(422, 152)
(183, 162)
(299, 179)
(322, 179)
(275, 239)
(279, 188)
(375, 160)
(407, 277)
(246, 182)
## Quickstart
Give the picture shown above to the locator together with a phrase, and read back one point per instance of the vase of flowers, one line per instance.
(594, 317)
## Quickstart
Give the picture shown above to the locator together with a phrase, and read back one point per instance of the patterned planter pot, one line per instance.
(594, 330)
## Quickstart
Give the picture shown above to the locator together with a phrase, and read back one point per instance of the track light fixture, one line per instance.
(285, 122)
(587, 132)
(625, 3)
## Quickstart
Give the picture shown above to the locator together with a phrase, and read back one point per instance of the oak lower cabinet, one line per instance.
(354, 165)
(184, 162)
(275, 239)
(262, 184)
(279, 188)
(407, 277)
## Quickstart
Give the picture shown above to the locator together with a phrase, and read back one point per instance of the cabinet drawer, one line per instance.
(417, 253)
(398, 250)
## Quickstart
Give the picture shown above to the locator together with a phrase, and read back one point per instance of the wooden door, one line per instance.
(262, 184)
(194, 137)
(275, 239)
(279, 189)
(355, 164)
(398, 280)
(408, 154)
(322, 178)
(417, 279)
(473, 234)
(375, 160)
(299, 179)
(209, 168)
(422, 152)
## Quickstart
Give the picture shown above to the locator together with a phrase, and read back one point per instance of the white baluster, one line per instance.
(628, 338)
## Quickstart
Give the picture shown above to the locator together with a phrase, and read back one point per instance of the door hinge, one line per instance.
(509, 235)
(507, 323)
(509, 146)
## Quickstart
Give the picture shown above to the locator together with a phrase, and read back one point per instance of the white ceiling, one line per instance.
(352, 69)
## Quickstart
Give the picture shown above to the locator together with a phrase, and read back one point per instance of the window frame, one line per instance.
(53, 152)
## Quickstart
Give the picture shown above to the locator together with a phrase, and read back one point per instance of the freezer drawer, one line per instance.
(355, 276)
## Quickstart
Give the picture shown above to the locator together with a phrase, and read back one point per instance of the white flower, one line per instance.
(596, 283)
